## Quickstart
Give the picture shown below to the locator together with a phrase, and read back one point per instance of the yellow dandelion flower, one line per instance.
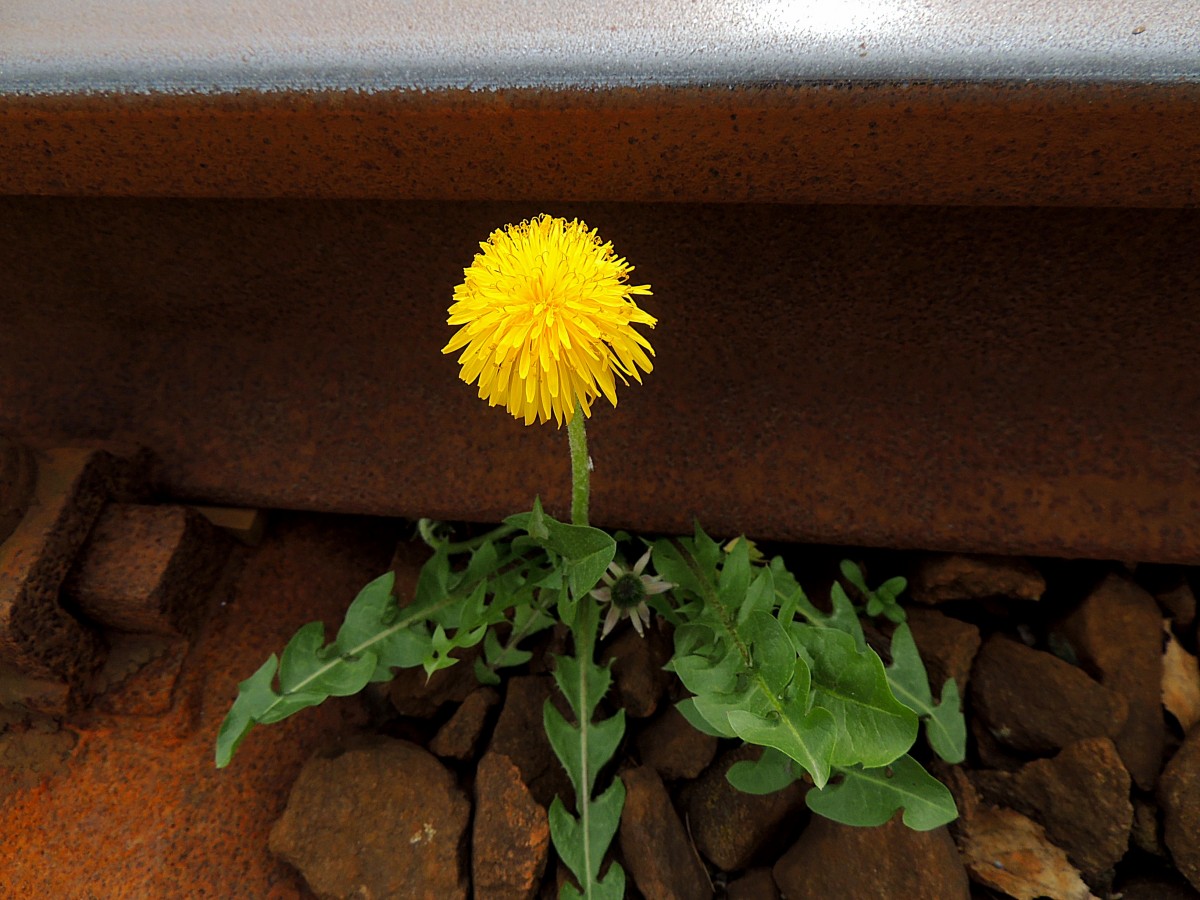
(547, 320)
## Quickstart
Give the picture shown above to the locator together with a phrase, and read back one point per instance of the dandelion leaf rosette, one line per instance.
(763, 664)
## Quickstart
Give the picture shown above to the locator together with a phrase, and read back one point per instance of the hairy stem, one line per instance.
(580, 477)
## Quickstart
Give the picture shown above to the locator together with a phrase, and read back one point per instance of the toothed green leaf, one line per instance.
(869, 797)
(873, 727)
(945, 727)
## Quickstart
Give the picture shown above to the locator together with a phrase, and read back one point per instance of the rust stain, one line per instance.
(138, 810)
(979, 144)
(992, 380)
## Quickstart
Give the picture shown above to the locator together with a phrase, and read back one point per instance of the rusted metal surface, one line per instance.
(18, 475)
(147, 569)
(1004, 380)
(39, 640)
(991, 379)
(135, 808)
(1042, 143)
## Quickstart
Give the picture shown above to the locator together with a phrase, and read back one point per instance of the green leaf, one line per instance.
(760, 596)
(535, 525)
(687, 709)
(790, 595)
(772, 655)
(583, 750)
(308, 667)
(568, 606)
(610, 887)
(869, 797)
(582, 758)
(587, 551)
(255, 695)
(582, 683)
(707, 551)
(771, 772)
(483, 674)
(809, 739)
(714, 710)
(883, 600)
(873, 727)
(289, 704)
(735, 577)
(945, 727)
(670, 564)
(397, 638)
(715, 669)
(853, 574)
(907, 673)
(891, 589)
(844, 618)
(433, 582)
(374, 606)
(484, 561)
(581, 843)
(500, 656)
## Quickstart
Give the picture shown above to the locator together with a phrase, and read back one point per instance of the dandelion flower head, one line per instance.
(547, 318)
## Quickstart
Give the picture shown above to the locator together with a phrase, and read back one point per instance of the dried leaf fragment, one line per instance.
(1181, 682)
(1005, 850)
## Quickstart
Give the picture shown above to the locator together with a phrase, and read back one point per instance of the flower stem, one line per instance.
(580, 477)
(587, 615)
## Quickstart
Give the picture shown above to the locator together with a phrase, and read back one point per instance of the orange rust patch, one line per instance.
(139, 810)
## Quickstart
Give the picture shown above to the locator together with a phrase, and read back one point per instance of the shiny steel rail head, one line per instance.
(219, 46)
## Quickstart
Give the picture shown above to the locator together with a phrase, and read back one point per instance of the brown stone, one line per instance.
(1005, 850)
(1178, 602)
(947, 646)
(658, 854)
(385, 821)
(148, 569)
(510, 838)
(1158, 886)
(756, 884)
(38, 638)
(1179, 799)
(414, 694)
(674, 747)
(520, 735)
(940, 579)
(990, 753)
(459, 737)
(733, 829)
(1081, 796)
(1146, 833)
(639, 680)
(832, 860)
(1117, 634)
(1035, 702)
